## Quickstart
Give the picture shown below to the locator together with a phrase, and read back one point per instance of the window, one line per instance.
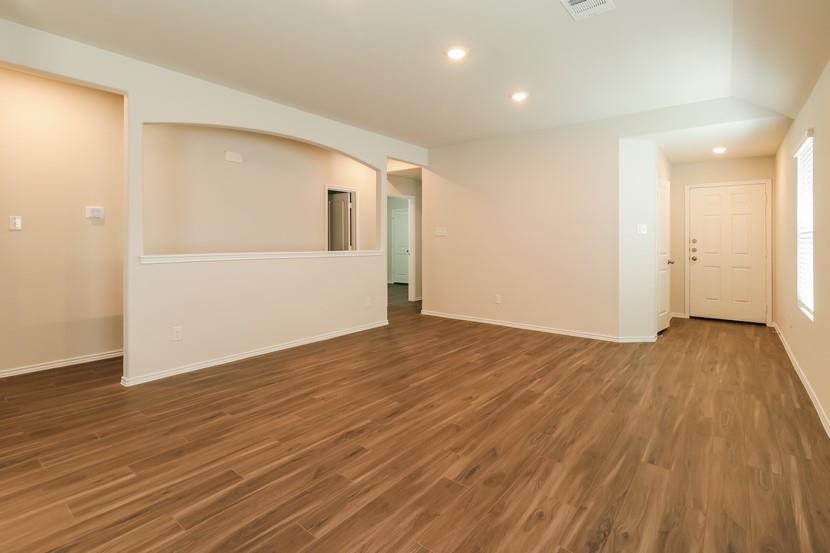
(804, 225)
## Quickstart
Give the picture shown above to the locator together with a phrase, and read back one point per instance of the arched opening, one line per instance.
(219, 190)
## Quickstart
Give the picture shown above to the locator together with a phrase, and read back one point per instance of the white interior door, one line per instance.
(727, 253)
(339, 221)
(399, 246)
(664, 262)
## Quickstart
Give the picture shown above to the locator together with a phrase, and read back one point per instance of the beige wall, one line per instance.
(808, 340)
(684, 174)
(403, 186)
(197, 202)
(61, 149)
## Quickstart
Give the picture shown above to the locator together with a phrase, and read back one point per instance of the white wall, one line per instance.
(226, 308)
(642, 167)
(807, 340)
(61, 149)
(684, 174)
(529, 217)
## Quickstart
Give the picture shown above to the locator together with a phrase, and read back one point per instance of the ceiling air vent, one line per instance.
(580, 9)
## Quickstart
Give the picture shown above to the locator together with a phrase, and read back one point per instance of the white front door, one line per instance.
(664, 261)
(727, 253)
(399, 246)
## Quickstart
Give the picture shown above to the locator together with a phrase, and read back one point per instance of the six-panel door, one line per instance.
(727, 252)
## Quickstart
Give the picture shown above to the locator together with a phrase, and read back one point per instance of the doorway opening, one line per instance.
(403, 212)
(341, 219)
(400, 252)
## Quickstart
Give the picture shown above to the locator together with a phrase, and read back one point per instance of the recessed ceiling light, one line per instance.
(519, 96)
(720, 150)
(456, 53)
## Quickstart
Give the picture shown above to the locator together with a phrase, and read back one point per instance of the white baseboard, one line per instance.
(549, 330)
(627, 339)
(679, 316)
(822, 414)
(418, 298)
(60, 363)
(135, 380)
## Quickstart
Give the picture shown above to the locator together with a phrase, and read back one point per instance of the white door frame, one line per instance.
(355, 215)
(410, 214)
(657, 252)
(768, 246)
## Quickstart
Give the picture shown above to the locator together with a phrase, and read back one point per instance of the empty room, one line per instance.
(335, 276)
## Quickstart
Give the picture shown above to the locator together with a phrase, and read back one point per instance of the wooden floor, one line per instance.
(430, 435)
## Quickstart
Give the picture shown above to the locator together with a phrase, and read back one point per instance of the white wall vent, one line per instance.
(580, 9)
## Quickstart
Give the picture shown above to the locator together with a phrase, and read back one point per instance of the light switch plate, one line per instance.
(441, 231)
(15, 222)
(642, 229)
(233, 157)
(94, 212)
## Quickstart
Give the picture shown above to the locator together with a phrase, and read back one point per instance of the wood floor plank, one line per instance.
(397, 531)
(772, 521)
(518, 512)
(427, 436)
(637, 523)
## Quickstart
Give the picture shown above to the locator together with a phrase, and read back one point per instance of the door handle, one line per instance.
(671, 262)
(694, 258)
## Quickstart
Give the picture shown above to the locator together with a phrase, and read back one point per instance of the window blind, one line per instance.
(804, 226)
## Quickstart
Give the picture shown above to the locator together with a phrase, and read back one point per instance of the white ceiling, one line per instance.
(379, 64)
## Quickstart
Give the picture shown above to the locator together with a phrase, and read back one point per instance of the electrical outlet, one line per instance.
(177, 334)
(498, 299)
(15, 222)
